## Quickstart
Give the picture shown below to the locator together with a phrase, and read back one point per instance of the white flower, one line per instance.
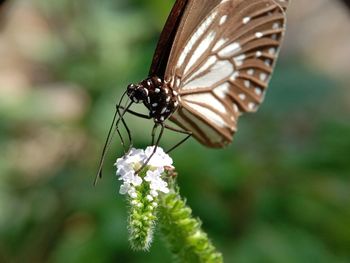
(127, 165)
(156, 182)
(132, 193)
(160, 185)
(124, 188)
(131, 178)
(127, 188)
(152, 176)
(159, 157)
(153, 193)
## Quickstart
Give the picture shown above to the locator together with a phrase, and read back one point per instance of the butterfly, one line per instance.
(213, 62)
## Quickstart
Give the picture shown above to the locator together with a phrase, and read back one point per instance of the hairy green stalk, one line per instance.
(142, 217)
(186, 240)
(153, 195)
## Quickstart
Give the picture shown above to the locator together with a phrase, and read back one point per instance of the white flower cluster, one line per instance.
(127, 165)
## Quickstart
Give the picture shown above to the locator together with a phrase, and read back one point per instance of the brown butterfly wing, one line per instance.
(221, 61)
(179, 13)
(166, 39)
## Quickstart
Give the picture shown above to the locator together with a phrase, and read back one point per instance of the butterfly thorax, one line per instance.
(158, 97)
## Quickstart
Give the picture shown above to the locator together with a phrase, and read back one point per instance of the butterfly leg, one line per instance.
(143, 116)
(154, 133)
(118, 108)
(187, 133)
(121, 137)
(155, 147)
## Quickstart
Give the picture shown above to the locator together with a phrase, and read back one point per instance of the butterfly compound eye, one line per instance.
(137, 93)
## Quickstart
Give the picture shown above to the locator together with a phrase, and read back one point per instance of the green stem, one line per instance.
(142, 218)
(187, 241)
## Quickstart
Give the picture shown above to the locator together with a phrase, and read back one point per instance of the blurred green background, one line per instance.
(279, 193)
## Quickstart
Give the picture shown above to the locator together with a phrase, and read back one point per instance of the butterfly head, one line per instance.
(137, 93)
(158, 97)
